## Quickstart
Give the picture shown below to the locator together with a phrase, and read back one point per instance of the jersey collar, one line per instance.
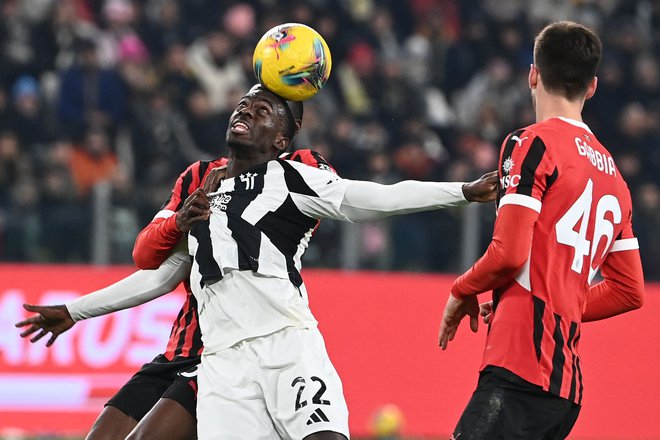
(576, 123)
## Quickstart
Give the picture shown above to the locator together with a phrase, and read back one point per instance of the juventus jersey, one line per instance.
(247, 255)
(559, 169)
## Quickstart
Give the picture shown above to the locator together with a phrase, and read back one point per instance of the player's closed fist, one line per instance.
(195, 208)
(482, 190)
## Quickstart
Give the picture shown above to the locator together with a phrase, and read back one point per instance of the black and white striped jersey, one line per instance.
(262, 221)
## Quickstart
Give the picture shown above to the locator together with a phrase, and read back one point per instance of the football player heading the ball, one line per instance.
(247, 249)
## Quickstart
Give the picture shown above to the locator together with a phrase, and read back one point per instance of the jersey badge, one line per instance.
(507, 165)
(220, 201)
(248, 179)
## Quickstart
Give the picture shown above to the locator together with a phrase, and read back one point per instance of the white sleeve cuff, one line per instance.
(626, 244)
(521, 200)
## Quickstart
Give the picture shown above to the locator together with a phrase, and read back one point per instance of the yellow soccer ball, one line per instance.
(292, 60)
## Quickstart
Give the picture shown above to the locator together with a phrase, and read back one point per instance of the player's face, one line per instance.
(257, 122)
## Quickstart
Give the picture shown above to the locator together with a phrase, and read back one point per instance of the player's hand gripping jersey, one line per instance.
(570, 212)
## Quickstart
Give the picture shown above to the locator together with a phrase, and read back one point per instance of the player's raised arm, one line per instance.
(365, 201)
(138, 288)
(326, 195)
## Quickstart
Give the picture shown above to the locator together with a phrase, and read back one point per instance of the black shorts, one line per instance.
(504, 406)
(160, 378)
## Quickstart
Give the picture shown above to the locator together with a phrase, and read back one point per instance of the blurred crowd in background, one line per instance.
(131, 92)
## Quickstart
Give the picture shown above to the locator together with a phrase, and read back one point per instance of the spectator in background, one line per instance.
(402, 70)
(138, 73)
(211, 60)
(207, 126)
(28, 119)
(647, 219)
(10, 166)
(92, 162)
(163, 28)
(89, 95)
(65, 215)
(176, 78)
(17, 43)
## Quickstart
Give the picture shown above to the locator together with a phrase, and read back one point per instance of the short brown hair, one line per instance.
(567, 55)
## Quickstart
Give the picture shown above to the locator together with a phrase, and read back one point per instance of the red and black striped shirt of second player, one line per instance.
(559, 169)
(157, 240)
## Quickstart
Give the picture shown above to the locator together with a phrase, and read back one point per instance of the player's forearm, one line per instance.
(366, 201)
(622, 289)
(138, 288)
(156, 242)
(505, 256)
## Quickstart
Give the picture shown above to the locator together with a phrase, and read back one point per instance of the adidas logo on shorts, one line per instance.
(317, 416)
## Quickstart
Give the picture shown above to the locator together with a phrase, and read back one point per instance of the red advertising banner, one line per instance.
(381, 332)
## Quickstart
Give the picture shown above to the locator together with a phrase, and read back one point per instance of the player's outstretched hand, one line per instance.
(49, 319)
(455, 310)
(482, 190)
(214, 177)
(486, 311)
(195, 208)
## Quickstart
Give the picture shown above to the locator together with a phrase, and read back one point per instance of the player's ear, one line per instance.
(591, 90)
(533, 77)
(282, 142)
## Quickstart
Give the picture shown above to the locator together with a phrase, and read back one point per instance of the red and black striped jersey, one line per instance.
(560, 170)
(159, 238)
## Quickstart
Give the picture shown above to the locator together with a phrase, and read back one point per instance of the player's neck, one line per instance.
(553, 106)
(239, 163)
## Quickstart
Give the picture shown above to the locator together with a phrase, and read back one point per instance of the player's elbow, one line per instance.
(636, 297)
(511, 263)
(142, 261)
(632, 296)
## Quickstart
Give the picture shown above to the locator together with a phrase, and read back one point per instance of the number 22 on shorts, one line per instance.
(316, 400)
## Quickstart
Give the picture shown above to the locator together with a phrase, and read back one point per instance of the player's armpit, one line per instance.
(155, 242)
(506, 254)
(622, 289)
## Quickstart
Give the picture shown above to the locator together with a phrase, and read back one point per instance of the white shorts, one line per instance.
(279, 386)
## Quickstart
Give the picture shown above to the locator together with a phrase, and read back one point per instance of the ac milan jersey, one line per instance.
(559, 169)
(185, 338)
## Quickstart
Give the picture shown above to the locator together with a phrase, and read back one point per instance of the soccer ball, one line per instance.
(292, 60)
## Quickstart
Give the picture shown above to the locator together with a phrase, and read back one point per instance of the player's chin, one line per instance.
(237, 141)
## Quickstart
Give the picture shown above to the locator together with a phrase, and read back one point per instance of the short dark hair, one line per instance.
(296, 108)
(567, 55)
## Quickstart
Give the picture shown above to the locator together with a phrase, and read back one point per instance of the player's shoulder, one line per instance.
(310, 158)
(550, 134)
(199, 168)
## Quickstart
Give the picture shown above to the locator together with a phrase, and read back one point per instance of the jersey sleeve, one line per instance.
(626, 240)
(138, 288)
(317, 193)
(621, 290)
(526, 170)
(506, 254)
